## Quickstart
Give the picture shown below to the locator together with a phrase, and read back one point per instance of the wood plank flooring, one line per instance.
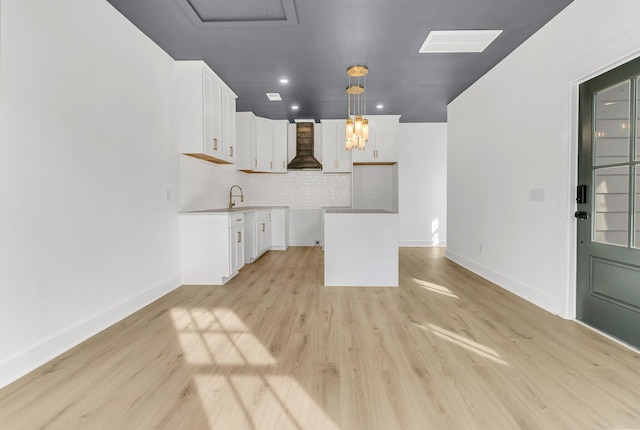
(274, 349)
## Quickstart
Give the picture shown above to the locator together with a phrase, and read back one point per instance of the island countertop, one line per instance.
(355, 211)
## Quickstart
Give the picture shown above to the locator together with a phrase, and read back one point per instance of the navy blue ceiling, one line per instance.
(251, 44)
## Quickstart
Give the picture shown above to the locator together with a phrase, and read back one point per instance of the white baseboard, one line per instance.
(421, 244)
(304, 243)
(24, 362)
(530, 294)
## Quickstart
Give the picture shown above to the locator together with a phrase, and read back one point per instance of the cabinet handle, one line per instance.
(283, 166)
(239, 239)
(271, 165)
(239, 219)
(215, 144)
(262, 226)
(255, 162)
(231, 151)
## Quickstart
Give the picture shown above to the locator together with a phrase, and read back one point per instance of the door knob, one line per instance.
(581, 215)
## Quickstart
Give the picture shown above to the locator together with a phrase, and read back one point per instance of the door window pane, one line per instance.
(637, 120)
(636, 240)
(612, 122)
(611, 209)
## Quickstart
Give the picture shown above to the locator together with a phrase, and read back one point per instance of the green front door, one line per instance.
(608, 261)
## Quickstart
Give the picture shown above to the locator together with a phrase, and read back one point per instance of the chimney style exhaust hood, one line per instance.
(304, 159)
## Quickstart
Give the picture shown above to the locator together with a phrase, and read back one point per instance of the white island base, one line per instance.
(360, 248)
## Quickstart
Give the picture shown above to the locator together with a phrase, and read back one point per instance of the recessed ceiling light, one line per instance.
(458, 41)
(379, 106)
(284, 81)
(295, 107)
(274, 97)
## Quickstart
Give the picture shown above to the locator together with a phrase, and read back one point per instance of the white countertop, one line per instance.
(356, 211)
(234, 210)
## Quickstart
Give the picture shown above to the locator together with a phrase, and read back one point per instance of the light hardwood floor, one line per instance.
(274, 349)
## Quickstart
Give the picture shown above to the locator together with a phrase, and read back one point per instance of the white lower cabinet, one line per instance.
(256, 244)
(211, 247)
(279, 229)
(214, 245)
(236, 247)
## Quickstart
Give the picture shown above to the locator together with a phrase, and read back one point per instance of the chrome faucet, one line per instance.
(231, 196)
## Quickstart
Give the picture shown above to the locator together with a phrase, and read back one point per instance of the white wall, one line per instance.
(86, 233)
(422, 178)
(205, 185)
(514, 131)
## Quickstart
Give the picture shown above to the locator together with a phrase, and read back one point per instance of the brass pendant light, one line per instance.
(357, 131)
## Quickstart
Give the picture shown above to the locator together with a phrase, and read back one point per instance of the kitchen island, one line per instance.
(360, 248)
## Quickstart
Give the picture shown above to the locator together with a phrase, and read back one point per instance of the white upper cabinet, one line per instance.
(229, 131)
(382, 147)
(280, 136)
(246, 158)
(204, 113)
(335, 157)
(262, 144)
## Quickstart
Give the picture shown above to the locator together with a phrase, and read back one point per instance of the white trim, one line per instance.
(530, 294)
(422, 244)
(25, 361)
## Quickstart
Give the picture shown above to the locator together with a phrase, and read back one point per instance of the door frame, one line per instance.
(572, 206)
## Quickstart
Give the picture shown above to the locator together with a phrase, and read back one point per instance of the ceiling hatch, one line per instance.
(240, 13)
(448, 41)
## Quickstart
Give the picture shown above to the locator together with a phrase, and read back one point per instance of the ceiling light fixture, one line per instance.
(357, 131)
(284, 81)
(274, 97)
(295, 107)
(379, 106)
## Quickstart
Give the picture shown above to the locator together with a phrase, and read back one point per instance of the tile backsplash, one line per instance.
(205, 185)
(300, 189)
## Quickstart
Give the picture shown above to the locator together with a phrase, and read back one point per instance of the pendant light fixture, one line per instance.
(357, 132)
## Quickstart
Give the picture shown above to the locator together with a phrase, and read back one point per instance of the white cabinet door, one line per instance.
(212, 115)
(335, 157)
(263, 231)
(264, 145)
(386, 146)
(211, 247)
(236, 247)
(279, 228)
(265, 235)
(383, 141)
(246, 157)
(280, 143)
(228, 105)
(202, 104)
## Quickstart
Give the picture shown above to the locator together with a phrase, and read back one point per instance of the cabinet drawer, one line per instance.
(236, 219)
